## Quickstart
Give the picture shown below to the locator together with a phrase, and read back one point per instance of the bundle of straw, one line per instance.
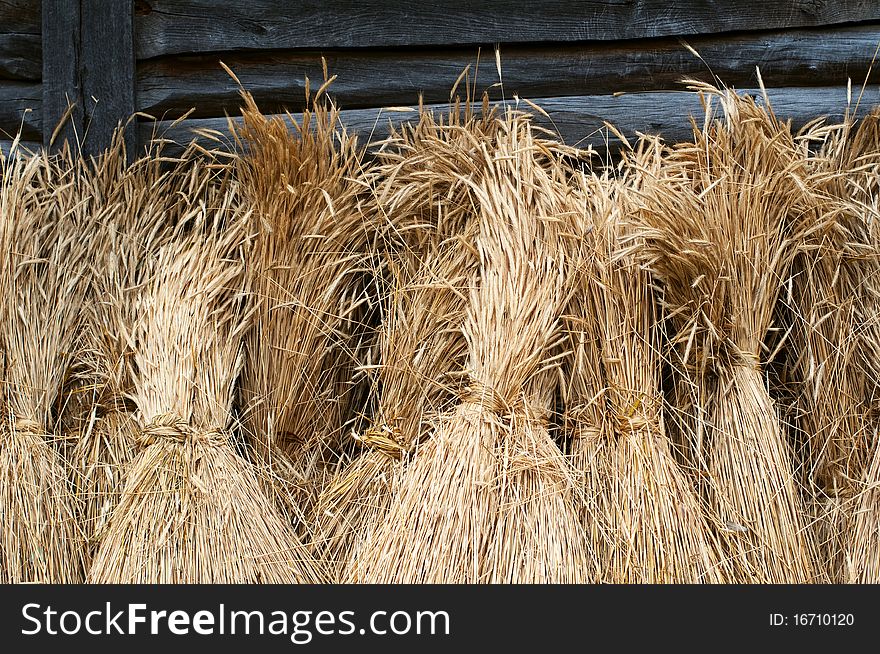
(421, 349)
(861, 544)
(142, 207)
(585, 421)
(192, 510)
(426, 212)
(840, 344)
(828, 295)
(719, 224)
(489, 497)
(862, 557)
(655, 530)
(42, 289)
(310, 274)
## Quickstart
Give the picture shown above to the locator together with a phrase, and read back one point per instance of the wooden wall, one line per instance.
(584, 62)
(20, 70)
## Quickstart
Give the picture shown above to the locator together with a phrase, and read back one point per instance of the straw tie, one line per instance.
(175, 429)
(727, 356)
(486, 396)
(639, 416)
(635, 423)
(385, 439)
(741, 358)
(112, 402)
(584, 419)
(28, 426)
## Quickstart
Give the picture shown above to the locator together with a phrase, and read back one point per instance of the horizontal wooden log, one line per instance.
(20, 16)
(578, 120)
(20, 56)
(20, 109)
(172, 86)
(23, 147)
(167, 27)
(20, 39)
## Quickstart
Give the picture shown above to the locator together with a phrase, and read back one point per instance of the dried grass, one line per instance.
(310, 276)
(836, 303)
(719, 224)
(200, 359)
(862, 559)
(426, 210)
(422, 352)
(649, 520)
(143, 205)
(489, 497)
(192, 510)
(42, 288)
(826, 304)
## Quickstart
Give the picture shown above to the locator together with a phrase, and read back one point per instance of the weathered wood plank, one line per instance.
(107, 69)
(180, 26)
(578, 119)
(20, 57)
(24, 147)
(21, 109)
(61, 80)
(173, 85)
(22, 16)
(20, 39)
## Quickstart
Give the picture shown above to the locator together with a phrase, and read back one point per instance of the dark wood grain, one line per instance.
(20, 56)
(20, 40)
(578, 119)
(24, 147)
(61, 79)
(107, 69)
(20, 16)
(21, 109)
(171, 86)
(186, 26)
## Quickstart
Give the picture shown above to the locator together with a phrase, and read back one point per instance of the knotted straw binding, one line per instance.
(641, 415)
(28, 426)
(745, 359)
(476, 392)
(641, 421)
(113, 402)
(724, 355)
(173, 428)
(582, 420)
(518, 409)
(385, 439)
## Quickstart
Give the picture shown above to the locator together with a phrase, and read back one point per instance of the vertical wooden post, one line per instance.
(107, 72)
(88, 62)
(62, 94)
